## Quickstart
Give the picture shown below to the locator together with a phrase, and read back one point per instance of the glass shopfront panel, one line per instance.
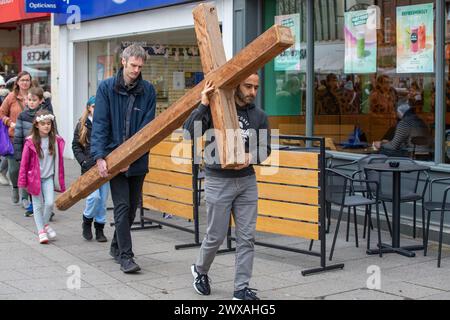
(173, 65)
(36, 55)
(370, 57)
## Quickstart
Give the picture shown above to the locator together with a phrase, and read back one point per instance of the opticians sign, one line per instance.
(49, 6)
(36, 56)
(91, 10)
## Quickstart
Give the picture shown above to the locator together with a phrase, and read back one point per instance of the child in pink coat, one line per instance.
(42, 170)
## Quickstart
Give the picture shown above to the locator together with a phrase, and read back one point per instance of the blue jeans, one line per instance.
(96, 204)
(43, 203)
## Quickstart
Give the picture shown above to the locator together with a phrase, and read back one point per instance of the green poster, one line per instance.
(415, 39)
(289, 60)
(360, 41)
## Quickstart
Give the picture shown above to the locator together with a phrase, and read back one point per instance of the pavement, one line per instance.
(73, 268)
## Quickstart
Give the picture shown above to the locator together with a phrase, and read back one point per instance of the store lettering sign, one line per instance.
(36, 56)
(91, 10)
(48, 6)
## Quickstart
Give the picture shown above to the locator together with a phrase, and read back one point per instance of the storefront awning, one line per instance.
(14, 11)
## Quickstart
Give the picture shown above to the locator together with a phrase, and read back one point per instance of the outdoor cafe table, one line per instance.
(396, 185)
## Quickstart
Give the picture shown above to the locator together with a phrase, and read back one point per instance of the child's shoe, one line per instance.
(43, 237)
(51, 234)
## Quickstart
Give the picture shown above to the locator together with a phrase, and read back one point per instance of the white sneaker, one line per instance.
(50, 232)
(43, 237)
(4, 181)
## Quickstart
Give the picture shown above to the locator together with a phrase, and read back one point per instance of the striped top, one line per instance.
(408, 127)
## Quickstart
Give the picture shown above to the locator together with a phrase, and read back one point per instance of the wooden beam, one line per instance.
(222, 104)
(267, 46)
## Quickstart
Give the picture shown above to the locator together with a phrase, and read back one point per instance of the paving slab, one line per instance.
(34, 271)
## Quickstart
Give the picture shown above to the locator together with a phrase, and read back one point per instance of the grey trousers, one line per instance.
(224, 196)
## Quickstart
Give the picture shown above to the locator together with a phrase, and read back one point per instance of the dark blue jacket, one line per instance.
(112, 126)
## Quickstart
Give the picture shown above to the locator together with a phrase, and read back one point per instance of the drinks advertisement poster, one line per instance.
(360, 41)
(415, 44)
(289, 60)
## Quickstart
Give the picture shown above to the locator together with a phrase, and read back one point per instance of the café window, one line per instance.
(370, 57)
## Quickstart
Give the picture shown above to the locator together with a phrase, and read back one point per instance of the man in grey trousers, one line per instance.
(231, 191)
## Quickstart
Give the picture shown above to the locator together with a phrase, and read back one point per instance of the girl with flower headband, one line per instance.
(42, 170)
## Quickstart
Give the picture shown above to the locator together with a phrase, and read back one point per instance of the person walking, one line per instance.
(42, 171)
(96, 201)
(3, 160)
(125, 103)
(10, 109)
(24, 124)
(231, 191)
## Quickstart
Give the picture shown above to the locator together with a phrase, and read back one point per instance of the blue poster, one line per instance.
(91, 10)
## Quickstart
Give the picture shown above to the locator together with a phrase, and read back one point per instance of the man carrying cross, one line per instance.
(231, 191)
(124, 105)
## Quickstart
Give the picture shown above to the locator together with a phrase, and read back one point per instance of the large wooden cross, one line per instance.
(225, 76)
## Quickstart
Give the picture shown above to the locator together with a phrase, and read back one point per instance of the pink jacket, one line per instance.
(30, 172)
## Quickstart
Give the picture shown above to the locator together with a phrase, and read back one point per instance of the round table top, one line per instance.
(403, 167)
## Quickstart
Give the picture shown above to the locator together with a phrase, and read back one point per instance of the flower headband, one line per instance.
(45, 117)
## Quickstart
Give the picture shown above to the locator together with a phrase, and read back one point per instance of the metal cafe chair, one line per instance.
(409, 188)
(421, 148)
(339, 191)
(362, 187)
(436, 206)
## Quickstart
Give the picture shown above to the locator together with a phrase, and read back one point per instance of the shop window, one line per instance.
(173, 63)
(36, 51)
(359, 87)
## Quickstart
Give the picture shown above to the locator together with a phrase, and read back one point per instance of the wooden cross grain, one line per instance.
(226, 76)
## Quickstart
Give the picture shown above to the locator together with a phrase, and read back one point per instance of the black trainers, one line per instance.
(127, 265)
(245, 294)
(201, 282)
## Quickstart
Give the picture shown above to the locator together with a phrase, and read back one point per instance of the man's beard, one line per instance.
(244, 98)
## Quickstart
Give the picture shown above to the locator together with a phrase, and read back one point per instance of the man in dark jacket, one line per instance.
(231, 190)
(124, 105)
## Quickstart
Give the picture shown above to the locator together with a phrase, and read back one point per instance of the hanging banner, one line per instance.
(289, 60)
(360, 41)
(415, 39)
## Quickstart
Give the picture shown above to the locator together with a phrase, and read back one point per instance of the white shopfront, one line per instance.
(85, 56)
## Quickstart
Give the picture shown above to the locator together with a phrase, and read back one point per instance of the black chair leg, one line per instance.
(379, 230)
(441, 230)
(423, 225)
(328, 209)
(336, 232)
(356, 226)
(414, 220)
(365, 222)
(348, 224)
(368, 230)
(387, 218)
(427, 234)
